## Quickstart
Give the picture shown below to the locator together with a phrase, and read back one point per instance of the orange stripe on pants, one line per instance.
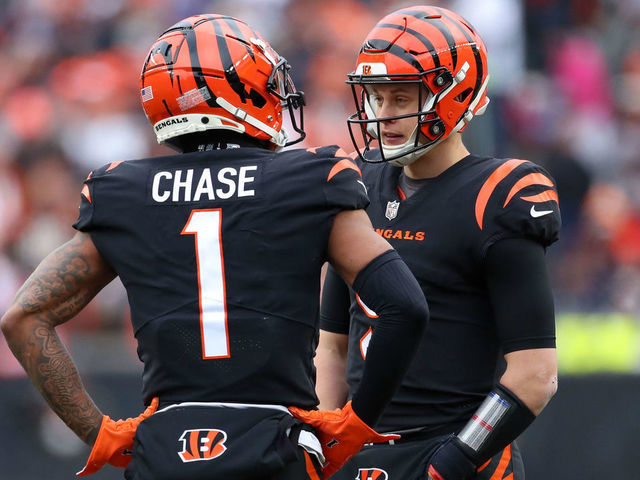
(485, 465)
(311, 469)
(502, 464)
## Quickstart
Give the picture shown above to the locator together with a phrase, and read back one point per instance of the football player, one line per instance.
(220, 249)
(474, 231)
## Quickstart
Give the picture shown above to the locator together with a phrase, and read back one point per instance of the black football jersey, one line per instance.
(443, 231)
(220, 253)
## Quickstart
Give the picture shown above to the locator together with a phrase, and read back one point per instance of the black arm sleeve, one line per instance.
(334, 307)
(520, 293)
(388, 287)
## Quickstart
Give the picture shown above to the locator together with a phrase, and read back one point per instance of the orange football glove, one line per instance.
(341, 432)
(114, 438)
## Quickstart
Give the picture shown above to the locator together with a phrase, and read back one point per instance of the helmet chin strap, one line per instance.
(406, 159)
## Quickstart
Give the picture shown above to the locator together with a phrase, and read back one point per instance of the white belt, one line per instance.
(225, 405)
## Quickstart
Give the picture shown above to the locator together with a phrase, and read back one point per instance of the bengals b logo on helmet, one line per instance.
(202, 444)
(372, 474)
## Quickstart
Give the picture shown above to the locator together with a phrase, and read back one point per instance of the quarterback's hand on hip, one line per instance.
(341, 433)
(450, 462)
(115, 441)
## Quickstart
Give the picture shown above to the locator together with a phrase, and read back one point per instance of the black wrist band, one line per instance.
(499, 420)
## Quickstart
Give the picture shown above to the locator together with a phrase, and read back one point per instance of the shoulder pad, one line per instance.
(331, 151)
(86, 212)
(518, 199)
(104, 169)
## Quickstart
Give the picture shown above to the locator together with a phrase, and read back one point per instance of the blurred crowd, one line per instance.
(565, 93)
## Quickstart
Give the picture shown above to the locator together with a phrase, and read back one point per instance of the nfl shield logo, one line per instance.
(392, 209)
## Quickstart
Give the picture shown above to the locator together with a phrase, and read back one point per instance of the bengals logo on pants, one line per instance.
(371, 474)
(202, 444)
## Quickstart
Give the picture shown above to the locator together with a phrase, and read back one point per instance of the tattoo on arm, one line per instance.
(64, 282)
(60, 287)
(53, 372)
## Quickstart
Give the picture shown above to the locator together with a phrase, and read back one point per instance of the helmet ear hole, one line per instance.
(258, 100)
(460, 98)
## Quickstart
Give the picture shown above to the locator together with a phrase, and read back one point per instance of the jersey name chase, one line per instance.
(195, 185)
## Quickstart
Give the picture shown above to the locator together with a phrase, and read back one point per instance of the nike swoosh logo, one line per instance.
(363, 186)
(535, 213)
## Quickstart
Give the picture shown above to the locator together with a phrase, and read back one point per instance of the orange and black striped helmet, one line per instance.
(214, 72)
(432, 47)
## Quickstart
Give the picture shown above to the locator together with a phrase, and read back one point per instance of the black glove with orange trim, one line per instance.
(341, 433)
(115, 441)
(450, 462)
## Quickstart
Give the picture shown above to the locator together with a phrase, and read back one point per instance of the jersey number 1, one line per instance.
(206, 226)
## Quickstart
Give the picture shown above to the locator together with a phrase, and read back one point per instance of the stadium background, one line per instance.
(565, 93)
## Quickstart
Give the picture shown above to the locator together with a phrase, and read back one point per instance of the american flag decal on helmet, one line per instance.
(146, 93)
